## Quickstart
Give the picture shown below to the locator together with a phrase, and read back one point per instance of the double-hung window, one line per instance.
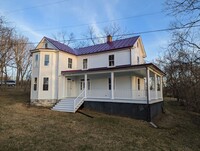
(85, 63)
(45, 84)
(35, 84)
(36, 60)
(82, 84)
(70, 63)
(46, 60)
(109, 83)
(111, 60)
(138, 84)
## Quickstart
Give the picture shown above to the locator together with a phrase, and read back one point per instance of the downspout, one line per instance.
(148, 105)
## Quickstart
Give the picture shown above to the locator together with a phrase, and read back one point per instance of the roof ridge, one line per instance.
(106, 42)
(116, 44)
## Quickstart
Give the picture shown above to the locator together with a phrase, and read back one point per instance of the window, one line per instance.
(45, 84)
(46, 60)
(35, 84)
(109, 83)
(152, 80)
(138, 60)
(70, 63)
(36, 60)
(158, 83)
(111, 60)
(46, 45)
(138, 84)
(84, 63)
(82, 84)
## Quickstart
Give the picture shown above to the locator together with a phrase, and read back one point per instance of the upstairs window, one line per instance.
(35, 84)
(45, 84)
(46, 45)
(36, 60)
(46, 60)
(85, 63)
(111, 60)
(70, 63)
(138, 60)
(138, 84)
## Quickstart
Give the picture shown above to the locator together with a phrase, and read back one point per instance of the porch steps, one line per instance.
(65, 105)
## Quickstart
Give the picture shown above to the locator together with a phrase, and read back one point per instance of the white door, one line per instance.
(69, 87)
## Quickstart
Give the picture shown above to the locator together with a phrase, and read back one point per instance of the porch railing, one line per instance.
(98, 93)
(79, 100)
(118, 94)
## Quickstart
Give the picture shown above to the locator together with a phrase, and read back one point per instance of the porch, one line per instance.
(129, 85)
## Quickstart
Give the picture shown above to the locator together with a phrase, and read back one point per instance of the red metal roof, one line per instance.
(118, 44)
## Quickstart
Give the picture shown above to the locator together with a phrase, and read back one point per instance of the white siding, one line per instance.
(136, 51)
(35, 74)
(63, 61)
(98, 60)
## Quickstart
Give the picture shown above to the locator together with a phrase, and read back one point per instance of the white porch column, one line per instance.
(156, 92)
(148, 86)
(86, 87)
(112, 85)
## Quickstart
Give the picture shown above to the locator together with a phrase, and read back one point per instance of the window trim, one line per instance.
(109, 84)
(70, 61)
(46, 45)
(82, 84)
(45, 85)
(85, 63)
(36, 60)
(35, 84)
(111, 61)
(46, 61)
(138, 84)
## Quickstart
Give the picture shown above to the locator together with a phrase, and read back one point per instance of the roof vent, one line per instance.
(109, 39)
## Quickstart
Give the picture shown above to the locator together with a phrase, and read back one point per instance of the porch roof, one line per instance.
(138, 66)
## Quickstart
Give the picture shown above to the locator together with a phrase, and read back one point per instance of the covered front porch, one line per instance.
(141, 85)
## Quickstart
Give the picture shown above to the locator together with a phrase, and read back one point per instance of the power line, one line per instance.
(99, 22)
(36, 6)
(130, 34)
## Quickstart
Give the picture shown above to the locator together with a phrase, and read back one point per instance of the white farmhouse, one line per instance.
(111, 77)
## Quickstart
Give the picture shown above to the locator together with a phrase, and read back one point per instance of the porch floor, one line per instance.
(119, 100)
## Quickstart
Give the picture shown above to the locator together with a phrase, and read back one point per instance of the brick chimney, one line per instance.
(109, 39)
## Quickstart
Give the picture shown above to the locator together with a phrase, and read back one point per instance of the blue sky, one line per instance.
(37, 18)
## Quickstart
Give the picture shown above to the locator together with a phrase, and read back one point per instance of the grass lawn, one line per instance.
(32, 128)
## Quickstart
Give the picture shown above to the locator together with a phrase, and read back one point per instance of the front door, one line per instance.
(69, 88)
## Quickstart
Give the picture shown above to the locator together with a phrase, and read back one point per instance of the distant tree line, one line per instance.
(181, 60)
(15, 59)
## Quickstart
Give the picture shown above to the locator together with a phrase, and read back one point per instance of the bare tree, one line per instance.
(115, 31)
(181, 60)
(22, 57)
(64, 37)
(5, 48)
(92, 36)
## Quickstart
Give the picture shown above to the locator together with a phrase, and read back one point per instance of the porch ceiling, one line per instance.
(139, 73)
(124, 69)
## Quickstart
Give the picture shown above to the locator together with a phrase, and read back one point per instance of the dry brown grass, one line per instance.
(30, 128)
